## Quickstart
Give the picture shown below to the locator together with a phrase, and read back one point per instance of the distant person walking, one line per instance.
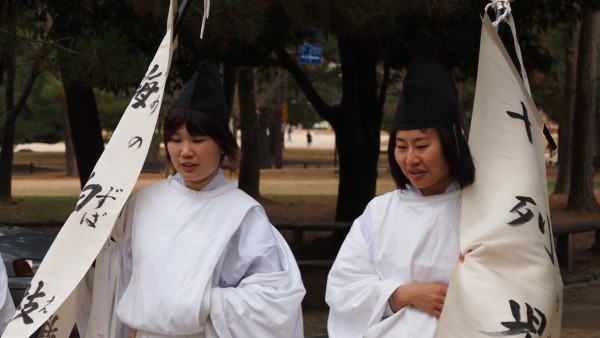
(289, 133)
(308, 139)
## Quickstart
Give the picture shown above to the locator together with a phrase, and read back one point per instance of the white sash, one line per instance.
(100, 202)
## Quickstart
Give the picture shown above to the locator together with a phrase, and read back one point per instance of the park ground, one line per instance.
(296, 193)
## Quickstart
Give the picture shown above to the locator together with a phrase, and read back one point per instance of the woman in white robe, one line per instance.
(392, 272)
(193, 255)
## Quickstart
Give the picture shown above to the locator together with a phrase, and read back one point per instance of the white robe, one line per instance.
(186, 263)
(7, 306)
(402, 237)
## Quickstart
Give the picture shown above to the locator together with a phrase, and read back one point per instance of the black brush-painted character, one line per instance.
(24, 310)
(525, 119)
(525, 216)
(94, 191)
(91, 221)
(146, 89)
(533, 324)
(48, 330)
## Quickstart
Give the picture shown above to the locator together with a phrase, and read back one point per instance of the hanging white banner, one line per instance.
(100, 202)
(509, 284)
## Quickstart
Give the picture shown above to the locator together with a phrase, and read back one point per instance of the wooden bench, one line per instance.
(562, 233)
(298, 229)
(564, 241)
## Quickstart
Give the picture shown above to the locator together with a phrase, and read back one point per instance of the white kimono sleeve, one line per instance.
(103, 287)
(265, 304)
(356, 295)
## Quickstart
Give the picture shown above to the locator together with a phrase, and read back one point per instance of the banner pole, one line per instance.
(181, 11)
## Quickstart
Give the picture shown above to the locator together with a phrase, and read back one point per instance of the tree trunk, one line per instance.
(356, 122)
(6, 157)
(70, 161)
(229, 73)
(250, 163)
(264, 149)
(581, 194)
(85, 128)
(229, 86)
(276, 131)
(357, 129)
(565, 129)
(276, 139)
(12, 111)
(8, 134)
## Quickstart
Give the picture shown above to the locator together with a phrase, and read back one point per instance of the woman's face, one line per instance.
(420, 156)
(196, 158)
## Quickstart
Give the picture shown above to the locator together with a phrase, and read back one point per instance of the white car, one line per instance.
(22, 250)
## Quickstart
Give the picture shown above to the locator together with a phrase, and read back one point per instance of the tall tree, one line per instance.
(12, 44)
(356, 121)
(250, 164)
(581, 194)
(99, 47)
(371, 36)
(84, 122)
(565, 131)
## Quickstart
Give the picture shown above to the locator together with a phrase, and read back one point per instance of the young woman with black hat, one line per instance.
(392, 272)
(193, 255)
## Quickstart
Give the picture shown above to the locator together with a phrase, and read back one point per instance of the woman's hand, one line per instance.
(427, 297)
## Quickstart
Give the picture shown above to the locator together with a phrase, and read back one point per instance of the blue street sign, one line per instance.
(309, 54)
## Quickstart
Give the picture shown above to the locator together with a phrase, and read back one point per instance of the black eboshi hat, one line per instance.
(428, 99)
(204, 93)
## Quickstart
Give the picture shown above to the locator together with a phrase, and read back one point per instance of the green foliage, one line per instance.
(103, 59)
(111, 107)
(100, 43)
(548, 87)
(42, 119)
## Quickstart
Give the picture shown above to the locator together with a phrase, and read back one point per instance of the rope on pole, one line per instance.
(504, 15)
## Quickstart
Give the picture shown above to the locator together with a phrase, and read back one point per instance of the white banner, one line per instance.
(100, 202)
(509, 284)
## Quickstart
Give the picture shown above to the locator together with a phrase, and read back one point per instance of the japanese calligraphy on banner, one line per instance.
(100, 202)
(509, 284)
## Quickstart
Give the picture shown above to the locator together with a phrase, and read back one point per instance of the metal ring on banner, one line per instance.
(49, 301)
(506, 16)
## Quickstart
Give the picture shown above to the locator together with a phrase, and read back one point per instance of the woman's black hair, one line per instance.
(456, 152)
(200, 124)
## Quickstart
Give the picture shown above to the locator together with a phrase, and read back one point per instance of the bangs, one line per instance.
(183, 117)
